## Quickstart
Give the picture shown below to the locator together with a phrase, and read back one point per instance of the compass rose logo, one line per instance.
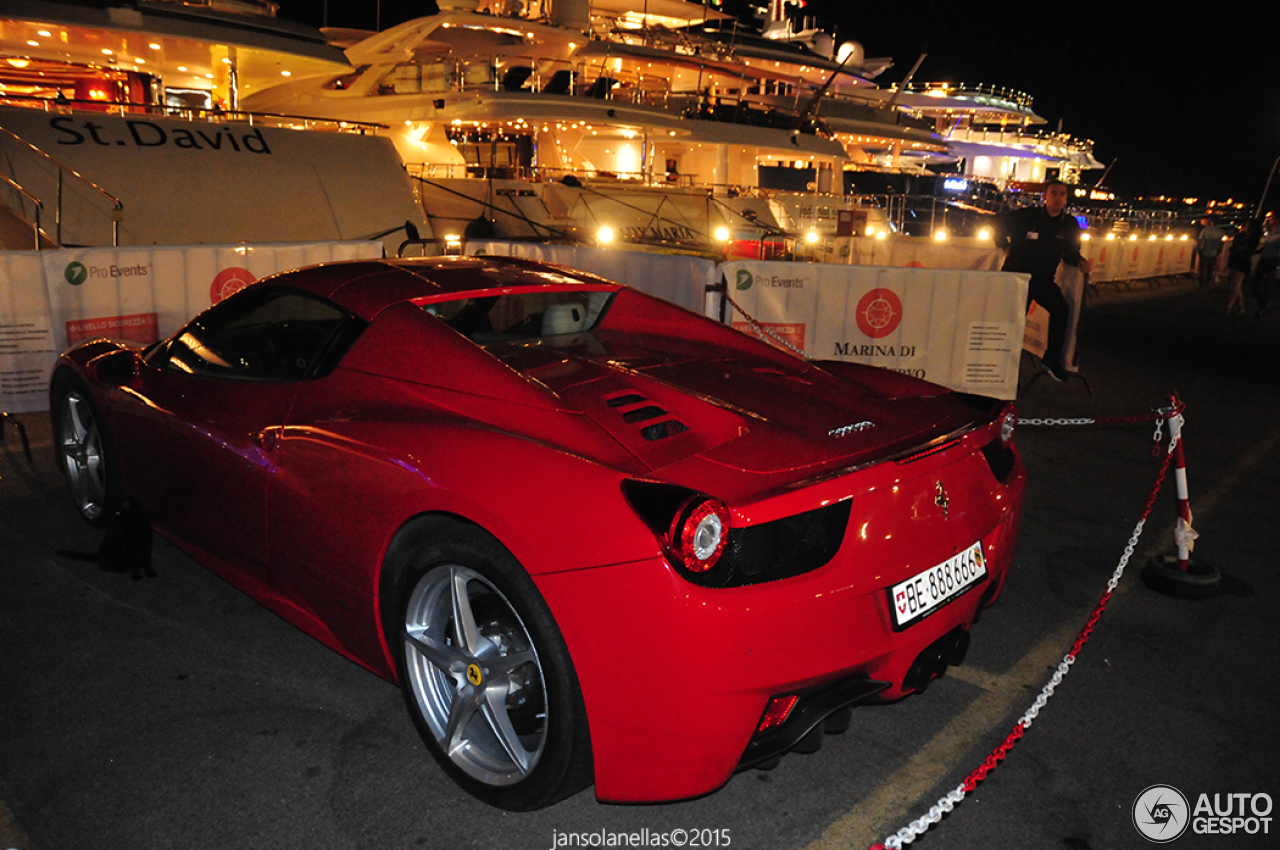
(879, 313)
(228, 282)
(1161, 813)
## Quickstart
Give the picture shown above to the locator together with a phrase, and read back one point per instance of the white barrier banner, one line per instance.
(956, 253)
(27, 345)
(676, 278)
(1134, 259)
(961, 329)
(50, 300)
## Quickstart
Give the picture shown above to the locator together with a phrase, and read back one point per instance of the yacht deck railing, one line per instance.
(131, 109)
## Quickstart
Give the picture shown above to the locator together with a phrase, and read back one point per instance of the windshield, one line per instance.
(522, 315)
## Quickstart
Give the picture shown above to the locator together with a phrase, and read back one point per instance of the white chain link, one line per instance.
(763, 332)
(1055, 422)
(916, 828)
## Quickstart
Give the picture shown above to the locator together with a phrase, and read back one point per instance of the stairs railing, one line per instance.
(39, 205)
(117, 206)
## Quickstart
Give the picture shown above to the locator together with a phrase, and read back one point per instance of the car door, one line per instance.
(214, 399)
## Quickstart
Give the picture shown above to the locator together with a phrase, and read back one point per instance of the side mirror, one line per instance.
(115, 368)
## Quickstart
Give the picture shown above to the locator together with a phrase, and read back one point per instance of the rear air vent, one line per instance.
(654, 422)
(640, 414)
(657, 431)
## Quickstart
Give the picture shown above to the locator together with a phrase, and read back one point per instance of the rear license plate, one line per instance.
(926, 592)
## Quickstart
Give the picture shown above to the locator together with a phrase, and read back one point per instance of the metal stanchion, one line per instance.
(1179, 575)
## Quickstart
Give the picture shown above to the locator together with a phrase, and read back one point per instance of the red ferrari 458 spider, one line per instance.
(592, 535)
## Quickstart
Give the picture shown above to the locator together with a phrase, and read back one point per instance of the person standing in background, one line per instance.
(1037, 240)
(1268, 259)
(1240, 262)
(1208, 249)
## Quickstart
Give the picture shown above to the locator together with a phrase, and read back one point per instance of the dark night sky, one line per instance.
(1185, 98)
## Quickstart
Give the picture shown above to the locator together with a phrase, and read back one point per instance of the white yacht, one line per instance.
(666, 122)
(121, 125)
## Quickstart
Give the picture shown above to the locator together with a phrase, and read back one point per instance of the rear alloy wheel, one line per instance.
(84, 453)
(488, 678)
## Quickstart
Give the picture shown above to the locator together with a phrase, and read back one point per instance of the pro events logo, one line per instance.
(76, 273)
(744, 280)
(1160, 813)
(879, 313)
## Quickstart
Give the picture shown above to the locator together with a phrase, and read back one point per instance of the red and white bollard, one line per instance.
(1179, 575)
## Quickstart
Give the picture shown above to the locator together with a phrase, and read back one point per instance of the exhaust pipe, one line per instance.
(947, 651)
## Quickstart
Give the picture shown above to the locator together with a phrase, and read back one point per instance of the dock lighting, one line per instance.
(1085, 237)
(1168, 237)
(1184, 238)
(882, 234)
(1151, 238)
(604, 235)
(1133, 237)
(985, 233)
(1111, 237)
(452, 244)
(723, 234)
(940, 235)
(811, 237)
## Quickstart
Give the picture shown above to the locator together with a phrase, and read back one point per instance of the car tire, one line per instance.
(86, 454)
(485, 671)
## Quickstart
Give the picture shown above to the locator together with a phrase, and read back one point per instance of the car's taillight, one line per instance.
(699, 533)
(1007, 425)
(777, 712)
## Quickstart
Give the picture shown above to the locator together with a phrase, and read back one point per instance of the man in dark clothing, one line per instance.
(1036, 240)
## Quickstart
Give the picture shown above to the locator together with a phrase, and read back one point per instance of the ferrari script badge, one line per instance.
(850, 429)
(940, 499)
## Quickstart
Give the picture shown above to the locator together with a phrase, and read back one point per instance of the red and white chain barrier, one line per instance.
(1173, 453)
(760, 330)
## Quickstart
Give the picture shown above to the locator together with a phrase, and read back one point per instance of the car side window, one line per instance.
(270, 334)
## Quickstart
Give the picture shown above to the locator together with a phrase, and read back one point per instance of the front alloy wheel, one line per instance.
(83, 454)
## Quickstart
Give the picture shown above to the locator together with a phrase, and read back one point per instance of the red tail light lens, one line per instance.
(699, 533)
(777, 712)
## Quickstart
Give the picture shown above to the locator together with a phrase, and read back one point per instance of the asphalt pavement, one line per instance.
(172, 711)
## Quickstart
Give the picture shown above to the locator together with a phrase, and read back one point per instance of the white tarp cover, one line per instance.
(677, 278)
(50, 300)
(957, 253)
(961, 329)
